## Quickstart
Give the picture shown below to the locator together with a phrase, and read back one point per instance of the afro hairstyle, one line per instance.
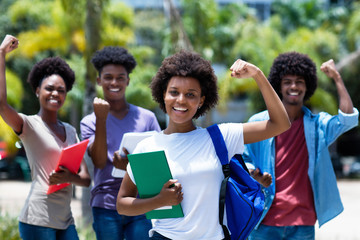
(294, 63)
(113, 55)
(186, 64)
(50, 66)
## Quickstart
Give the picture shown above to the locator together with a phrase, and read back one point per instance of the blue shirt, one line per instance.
(321, 130)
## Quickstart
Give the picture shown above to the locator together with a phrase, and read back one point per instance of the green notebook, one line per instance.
(151, 171)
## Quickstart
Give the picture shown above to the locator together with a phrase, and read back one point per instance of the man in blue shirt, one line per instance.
(298, 177)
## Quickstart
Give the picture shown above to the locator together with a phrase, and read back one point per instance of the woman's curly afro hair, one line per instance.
(113, 55)
(50, 66)
(186, 64)
(294, 63)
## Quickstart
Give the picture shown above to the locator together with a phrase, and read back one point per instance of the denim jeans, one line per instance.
(109, 225)
(33, 232)
(265, 232)
(158, 236)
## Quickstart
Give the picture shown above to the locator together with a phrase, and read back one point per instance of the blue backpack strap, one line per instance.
(219, 143)
(241, 161)
(222, 153)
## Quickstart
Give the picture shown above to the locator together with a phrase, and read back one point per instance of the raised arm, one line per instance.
(98, 149)
(279, 121)
(10, 115)
(345, 102)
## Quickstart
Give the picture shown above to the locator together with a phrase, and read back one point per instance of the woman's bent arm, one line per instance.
(128, 204)
(279, 120)
(10, 116)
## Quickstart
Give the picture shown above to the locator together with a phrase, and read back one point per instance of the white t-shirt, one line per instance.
(193, 162)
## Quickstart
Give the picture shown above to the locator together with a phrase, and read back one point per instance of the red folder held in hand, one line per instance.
(70, 158)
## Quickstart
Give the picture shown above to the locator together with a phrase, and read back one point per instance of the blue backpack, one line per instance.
(240, 193)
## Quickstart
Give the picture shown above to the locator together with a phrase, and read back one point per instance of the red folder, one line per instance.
(70, 158)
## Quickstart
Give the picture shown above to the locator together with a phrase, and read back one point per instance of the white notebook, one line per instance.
(129, 141)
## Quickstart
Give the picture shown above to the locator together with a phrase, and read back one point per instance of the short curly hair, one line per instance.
(186, 64)
(113, 55)
(294, 63)
(47, 67)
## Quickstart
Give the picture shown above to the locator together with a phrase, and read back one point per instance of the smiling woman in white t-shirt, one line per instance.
(185, 88)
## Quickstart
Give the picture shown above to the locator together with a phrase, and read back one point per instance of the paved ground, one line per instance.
(13, 195)
(344, 227)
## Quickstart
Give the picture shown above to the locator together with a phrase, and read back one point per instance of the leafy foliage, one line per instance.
(15, 90)
(14, 97)
(138, 91)
(117, 24)
(324, 101)
(150, 31)
(9, 227)
(297, 14)
(41, 39)
(28, 14)
(353, 33)
(200, 19)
